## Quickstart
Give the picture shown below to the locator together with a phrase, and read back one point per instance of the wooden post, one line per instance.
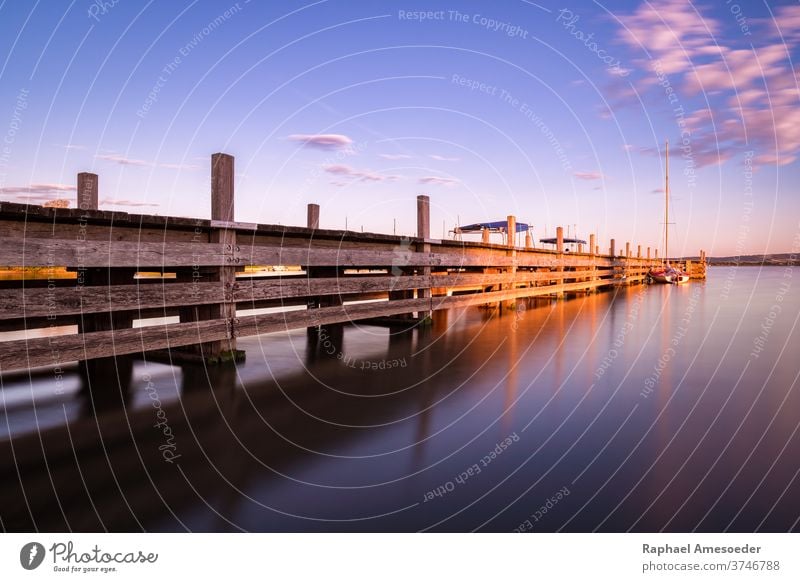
(639, 251)
(613, 248)
(423, 217)
(512, 231)
(627, 250)
(648, 253)
(424, 233)
(597, 249)
(592, 246)
(222, 211)
(222, 187)
(313, 216)
(560, 239)
(485, 236)
(656, 256)
(528, 240)
(88, 185)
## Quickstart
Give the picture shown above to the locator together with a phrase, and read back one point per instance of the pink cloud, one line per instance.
(125, 202)
(588, 175)
(360, 175)
(394, 156)
(122, 160)
(443, 158)
(437, 180)
(39, 189)
(323, 141)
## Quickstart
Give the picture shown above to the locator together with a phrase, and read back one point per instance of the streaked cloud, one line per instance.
(126, 161)
(394, 156)
(438, 180)
(41, 188)
(747, 81)
(125, 202)
(358, 175)
(588, 175)
(443, 158)
(122, 160)
(322, 141)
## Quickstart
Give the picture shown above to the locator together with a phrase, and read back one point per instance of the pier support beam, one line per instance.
(612, 249)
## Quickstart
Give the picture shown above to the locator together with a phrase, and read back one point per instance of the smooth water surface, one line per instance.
(651, 408)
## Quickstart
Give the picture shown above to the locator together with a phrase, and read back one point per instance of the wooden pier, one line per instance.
(105, 278)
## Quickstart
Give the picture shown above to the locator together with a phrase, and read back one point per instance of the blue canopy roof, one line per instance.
(497, 226)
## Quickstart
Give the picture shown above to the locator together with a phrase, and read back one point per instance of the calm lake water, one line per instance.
(652, 408)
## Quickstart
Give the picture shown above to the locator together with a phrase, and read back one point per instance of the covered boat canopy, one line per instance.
(554, 241)
(497, 226)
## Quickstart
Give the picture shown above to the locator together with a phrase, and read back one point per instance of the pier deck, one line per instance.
(99, 277)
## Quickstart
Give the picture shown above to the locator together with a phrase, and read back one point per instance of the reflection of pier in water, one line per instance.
(104, 470)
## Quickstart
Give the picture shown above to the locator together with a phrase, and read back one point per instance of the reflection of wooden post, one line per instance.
(313, 216)
(97, 373)
(424, 233)
(88, 191)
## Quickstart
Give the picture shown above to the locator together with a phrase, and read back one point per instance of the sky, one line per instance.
(555, 113)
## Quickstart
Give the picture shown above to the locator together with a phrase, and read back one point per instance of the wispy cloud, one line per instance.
(126, 161)
(588, 175)
(438, 180)
(322, 141)
(361, 175)
(122, 160)
(443, 158)
(747, 81)
(125, 202)
(394, 156)
(70, 146)
(43, 188)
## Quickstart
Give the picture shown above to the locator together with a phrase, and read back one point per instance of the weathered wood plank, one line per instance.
(69, 348)
(32, 252)
(57, 303)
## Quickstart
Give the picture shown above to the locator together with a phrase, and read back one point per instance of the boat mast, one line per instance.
(666, 209)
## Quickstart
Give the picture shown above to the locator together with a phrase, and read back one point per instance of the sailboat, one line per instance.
(667, 273)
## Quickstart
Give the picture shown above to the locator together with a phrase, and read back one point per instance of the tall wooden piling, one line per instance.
(312, 219)
(424, 233)
(88, 187)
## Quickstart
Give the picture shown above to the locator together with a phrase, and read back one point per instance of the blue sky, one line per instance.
(556, 113)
